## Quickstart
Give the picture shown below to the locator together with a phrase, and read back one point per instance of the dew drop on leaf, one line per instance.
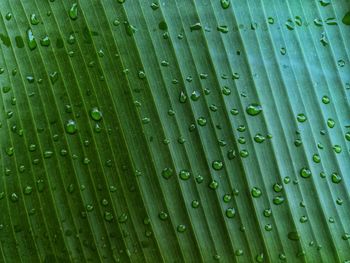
(184, 174)
(181, 228)
(73, 11)
(256, 192)
(31, 39)
(301, 117)
(95, 114)
(305, 172)
(254, 109)
(71, 127)
(336, 178)
(225, 4)
(217, 165)
(34, 19)
(346, 19)
(230, 212)
(167, 173)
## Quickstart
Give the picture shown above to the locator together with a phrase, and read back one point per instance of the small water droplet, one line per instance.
(305, 172)
(31, 39)
(167, 173)
(225, 4)
(336, 178)
(71, 127)
(230, 212)
(73, 11)
(181, 228)
(278, 200)
(256, 192)
(184, 174)
(254, 109)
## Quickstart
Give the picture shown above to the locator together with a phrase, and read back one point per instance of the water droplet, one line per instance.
(195, 95)
(199, 179)
(305, 172)
(259, 138)
(28, 190)
(181, 228)
(130, 29)
(227, 198)
(196, 26)
(167, 173)
(34, 19)
(331, 21)
(283, 51)
(337, 148)
(182, 97)
(326, 99)
(347, 136)
(202, 121)
(260, 258)
(230, 212)
(71, 127)
(222, 29)
(31, 39)
(96, 114)
(225, 4)
(226, 90)
(268, 227)
(45, 41)
(324, 39)
(163, 215)
(339, 201)
(123, 218)
(267, 212)
(256, 192)
(213, 185)
(154, 6)
(244, 153)
(330, 123)
(14, 197)
(303, 219)
(341, 63)
(316, 158)
(278, 200)
(346, 19)
(184, 174)
(254, 109)
(108, 216)
(277, 187)
(301, 117)
(73, 11)
(195, 203)
(290, 24)
(53, 77)
(270, 20)
(217, 165)
(293, 236)
(336, 178)
(298, 21)
(324, 2)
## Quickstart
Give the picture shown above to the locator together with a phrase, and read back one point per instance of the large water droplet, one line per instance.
(73, 11)
(31, 39)
(254, 109)
(256, 192)
(71, 127)
(346, 19)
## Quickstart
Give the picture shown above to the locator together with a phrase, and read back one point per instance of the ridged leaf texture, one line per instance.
(174, 131)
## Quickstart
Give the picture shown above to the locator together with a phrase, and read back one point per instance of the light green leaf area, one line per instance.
(174, 131)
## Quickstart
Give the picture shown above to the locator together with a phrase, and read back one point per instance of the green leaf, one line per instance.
(174, 131)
